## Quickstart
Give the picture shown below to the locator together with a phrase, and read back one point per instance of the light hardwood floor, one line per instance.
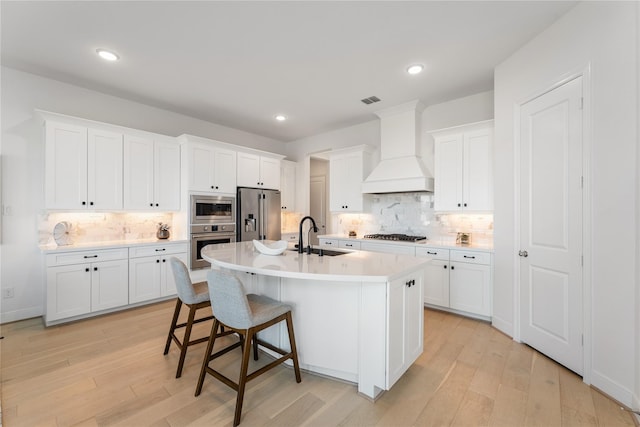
(110, 371)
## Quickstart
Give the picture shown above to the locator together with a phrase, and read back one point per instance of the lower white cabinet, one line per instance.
(405, 328)
(458, 279)
(388, 248)
(150, 274)
(79, 283)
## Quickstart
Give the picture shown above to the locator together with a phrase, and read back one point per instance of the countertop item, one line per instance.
(268, 247)
(353, 266)
(437, 242)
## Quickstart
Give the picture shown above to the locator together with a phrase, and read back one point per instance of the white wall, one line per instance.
(22, 166)
(602, 34)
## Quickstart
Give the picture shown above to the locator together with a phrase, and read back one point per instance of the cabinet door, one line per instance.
(395, 331)
(339, 175)
(144, 279)
(65, 166)
(201, 168)
(138, 173)
(436, 283)
(166, 182)
(168, 282)
(478, 171)
(68, 291)
(224, 168)
(470, 288)
(270, 173)
(288, 185)
(448, 173)
(414, 319)
(248, 173)
(109, 284)
(104, 171)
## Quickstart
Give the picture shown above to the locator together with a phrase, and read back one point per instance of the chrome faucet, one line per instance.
(315, 228)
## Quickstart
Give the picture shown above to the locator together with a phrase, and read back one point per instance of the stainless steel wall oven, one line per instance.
(212, 221)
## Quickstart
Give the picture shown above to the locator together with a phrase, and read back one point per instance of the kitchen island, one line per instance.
(358, 316)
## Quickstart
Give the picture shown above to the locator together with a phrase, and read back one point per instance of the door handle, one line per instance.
(523, 253)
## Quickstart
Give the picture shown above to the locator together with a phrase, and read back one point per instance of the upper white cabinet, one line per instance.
(347, 169)
(258, 171)
(463, 168)
(151, 174)
(83, 167)
(211, 169)
(288, 185)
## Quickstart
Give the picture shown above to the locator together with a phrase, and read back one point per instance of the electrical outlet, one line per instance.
(8, 293)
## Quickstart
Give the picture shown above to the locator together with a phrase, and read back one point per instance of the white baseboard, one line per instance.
(613, 389)
(502, 325)
(22, 314)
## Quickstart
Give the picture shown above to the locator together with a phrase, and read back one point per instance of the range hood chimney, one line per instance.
(400, 169)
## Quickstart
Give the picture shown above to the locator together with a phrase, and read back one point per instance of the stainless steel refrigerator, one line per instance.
(258, 214)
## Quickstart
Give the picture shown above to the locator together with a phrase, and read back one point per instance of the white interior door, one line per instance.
(551, 224)
(318, 206)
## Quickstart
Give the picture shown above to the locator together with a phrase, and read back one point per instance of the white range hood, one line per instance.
(401, 168)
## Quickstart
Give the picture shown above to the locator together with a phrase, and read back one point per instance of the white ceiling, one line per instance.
(240, 63)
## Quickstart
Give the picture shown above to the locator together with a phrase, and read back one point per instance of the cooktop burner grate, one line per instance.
(397, 237)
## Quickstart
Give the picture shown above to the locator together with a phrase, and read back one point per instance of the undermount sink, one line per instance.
(325, 252)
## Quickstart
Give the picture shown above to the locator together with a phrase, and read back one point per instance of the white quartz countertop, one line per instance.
(111, 244)
(354, 266)
(439, 243)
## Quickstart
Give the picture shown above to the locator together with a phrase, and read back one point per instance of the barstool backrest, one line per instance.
(184, 286)
(228, 300)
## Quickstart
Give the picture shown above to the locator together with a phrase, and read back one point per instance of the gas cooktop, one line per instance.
(397, 237)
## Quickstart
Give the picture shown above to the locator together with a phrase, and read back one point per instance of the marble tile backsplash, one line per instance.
(103, 227)
(413, 214)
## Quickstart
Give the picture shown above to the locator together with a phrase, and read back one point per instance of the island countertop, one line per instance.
(353, 266)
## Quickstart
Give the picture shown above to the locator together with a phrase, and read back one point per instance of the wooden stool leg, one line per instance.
(207, 356)
(294, 350)
(255, 347)
(172, 328)
(185, 340)
(246, 353)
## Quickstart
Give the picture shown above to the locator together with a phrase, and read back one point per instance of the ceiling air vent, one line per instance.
(370, 100)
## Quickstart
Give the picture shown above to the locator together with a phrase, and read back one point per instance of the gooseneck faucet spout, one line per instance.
(315, 228)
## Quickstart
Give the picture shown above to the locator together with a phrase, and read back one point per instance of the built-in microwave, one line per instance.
(212, 210)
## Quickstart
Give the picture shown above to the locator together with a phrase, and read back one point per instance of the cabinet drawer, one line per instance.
(471, 257)
(435, 253)
(346, 244)
(329, 242)
(69, 258)
(142, 251)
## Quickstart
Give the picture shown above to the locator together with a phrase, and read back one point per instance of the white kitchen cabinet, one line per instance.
(211, 169)
(349, 244)
(436, 281)
(388, 248)
(405, 325)
(258, 171)
(83, 282)
(347, 169)
(151, 174)
(458, 279)
(83, 167)
(150, 275)
(463, 168)
(329, 243)
(288, 185)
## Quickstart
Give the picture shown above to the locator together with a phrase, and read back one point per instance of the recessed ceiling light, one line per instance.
(107, 55)
(415, 69)
(280, 117)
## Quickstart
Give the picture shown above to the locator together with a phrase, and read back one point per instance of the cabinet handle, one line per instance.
(349, 245)
(164, 260)
(445, 266)
(158, 261)
(212, 187)
(90, 203)
(86, 269)
(465, 205)
(432, 253)
(217, 187)
(157, 205)
(328, 243)
(452, 267)
(84, 203)
(95, 268)
(470, 257)
(458, 204)
(151, 204)
(90, 256)
(161, 250)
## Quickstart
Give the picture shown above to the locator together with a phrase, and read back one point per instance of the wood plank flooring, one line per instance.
(110, 371)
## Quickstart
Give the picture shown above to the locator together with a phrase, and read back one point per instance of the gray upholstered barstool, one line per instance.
(193, 296)
(246, 315)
